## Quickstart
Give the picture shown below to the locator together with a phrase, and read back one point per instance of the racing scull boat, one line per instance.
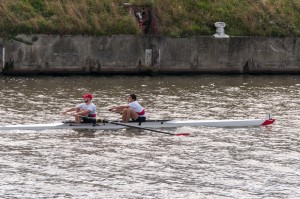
(148, 124)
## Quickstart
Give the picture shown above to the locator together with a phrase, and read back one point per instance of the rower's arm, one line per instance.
(70, 110)
(118, 108)
(84, 112)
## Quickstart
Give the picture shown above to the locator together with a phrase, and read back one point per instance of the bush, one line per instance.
(176, 18)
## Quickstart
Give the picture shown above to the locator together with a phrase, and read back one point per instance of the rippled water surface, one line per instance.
(260, 162)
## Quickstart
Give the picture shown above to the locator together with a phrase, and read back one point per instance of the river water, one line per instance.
(257, 162)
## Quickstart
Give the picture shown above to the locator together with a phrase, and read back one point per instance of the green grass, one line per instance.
(178, 18)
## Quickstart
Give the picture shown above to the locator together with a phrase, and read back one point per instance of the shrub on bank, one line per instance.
(175, 17)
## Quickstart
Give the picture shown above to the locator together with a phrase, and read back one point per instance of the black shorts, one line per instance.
(88, 120)
(140, 119)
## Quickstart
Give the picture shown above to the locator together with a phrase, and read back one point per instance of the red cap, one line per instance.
(88, 95)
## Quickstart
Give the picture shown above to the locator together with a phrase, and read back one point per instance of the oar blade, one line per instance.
(182, 134)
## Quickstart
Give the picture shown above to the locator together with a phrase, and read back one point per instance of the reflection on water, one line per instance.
(258, 162)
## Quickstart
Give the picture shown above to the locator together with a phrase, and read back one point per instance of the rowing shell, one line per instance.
(147, 124)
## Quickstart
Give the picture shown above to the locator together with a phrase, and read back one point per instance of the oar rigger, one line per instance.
(148, 129)
(103, 121)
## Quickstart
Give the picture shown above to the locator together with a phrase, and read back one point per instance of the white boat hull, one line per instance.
(149, 124)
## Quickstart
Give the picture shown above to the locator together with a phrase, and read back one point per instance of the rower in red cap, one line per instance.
(84, 112)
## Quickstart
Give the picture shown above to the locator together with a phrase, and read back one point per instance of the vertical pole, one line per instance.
(148, 57)
(159, 58)
(3, 58)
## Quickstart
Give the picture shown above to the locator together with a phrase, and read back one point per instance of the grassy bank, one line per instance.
(174, 17)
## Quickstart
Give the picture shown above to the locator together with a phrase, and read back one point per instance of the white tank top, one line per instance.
(136, 107)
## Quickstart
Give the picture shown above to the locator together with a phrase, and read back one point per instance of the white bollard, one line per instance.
(220, 32)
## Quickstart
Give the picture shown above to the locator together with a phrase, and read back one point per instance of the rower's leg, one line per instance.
(133, 115)
(128, 114)
(78, 118)
(125, 115)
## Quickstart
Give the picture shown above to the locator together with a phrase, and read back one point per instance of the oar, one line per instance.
(153, 130)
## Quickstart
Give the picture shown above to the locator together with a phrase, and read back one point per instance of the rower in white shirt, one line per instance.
(84, 112)
(132, 111)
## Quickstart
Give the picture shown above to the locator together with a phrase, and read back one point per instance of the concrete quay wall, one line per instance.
(129, 54)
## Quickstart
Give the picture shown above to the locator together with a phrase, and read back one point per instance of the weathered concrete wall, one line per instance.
(50, 54)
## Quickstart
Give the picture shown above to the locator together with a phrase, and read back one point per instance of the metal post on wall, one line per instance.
(148, 57)
(3, 58)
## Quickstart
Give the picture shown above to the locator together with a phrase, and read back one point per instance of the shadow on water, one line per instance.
(132, 132)
(84, 133)
(128, 132)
